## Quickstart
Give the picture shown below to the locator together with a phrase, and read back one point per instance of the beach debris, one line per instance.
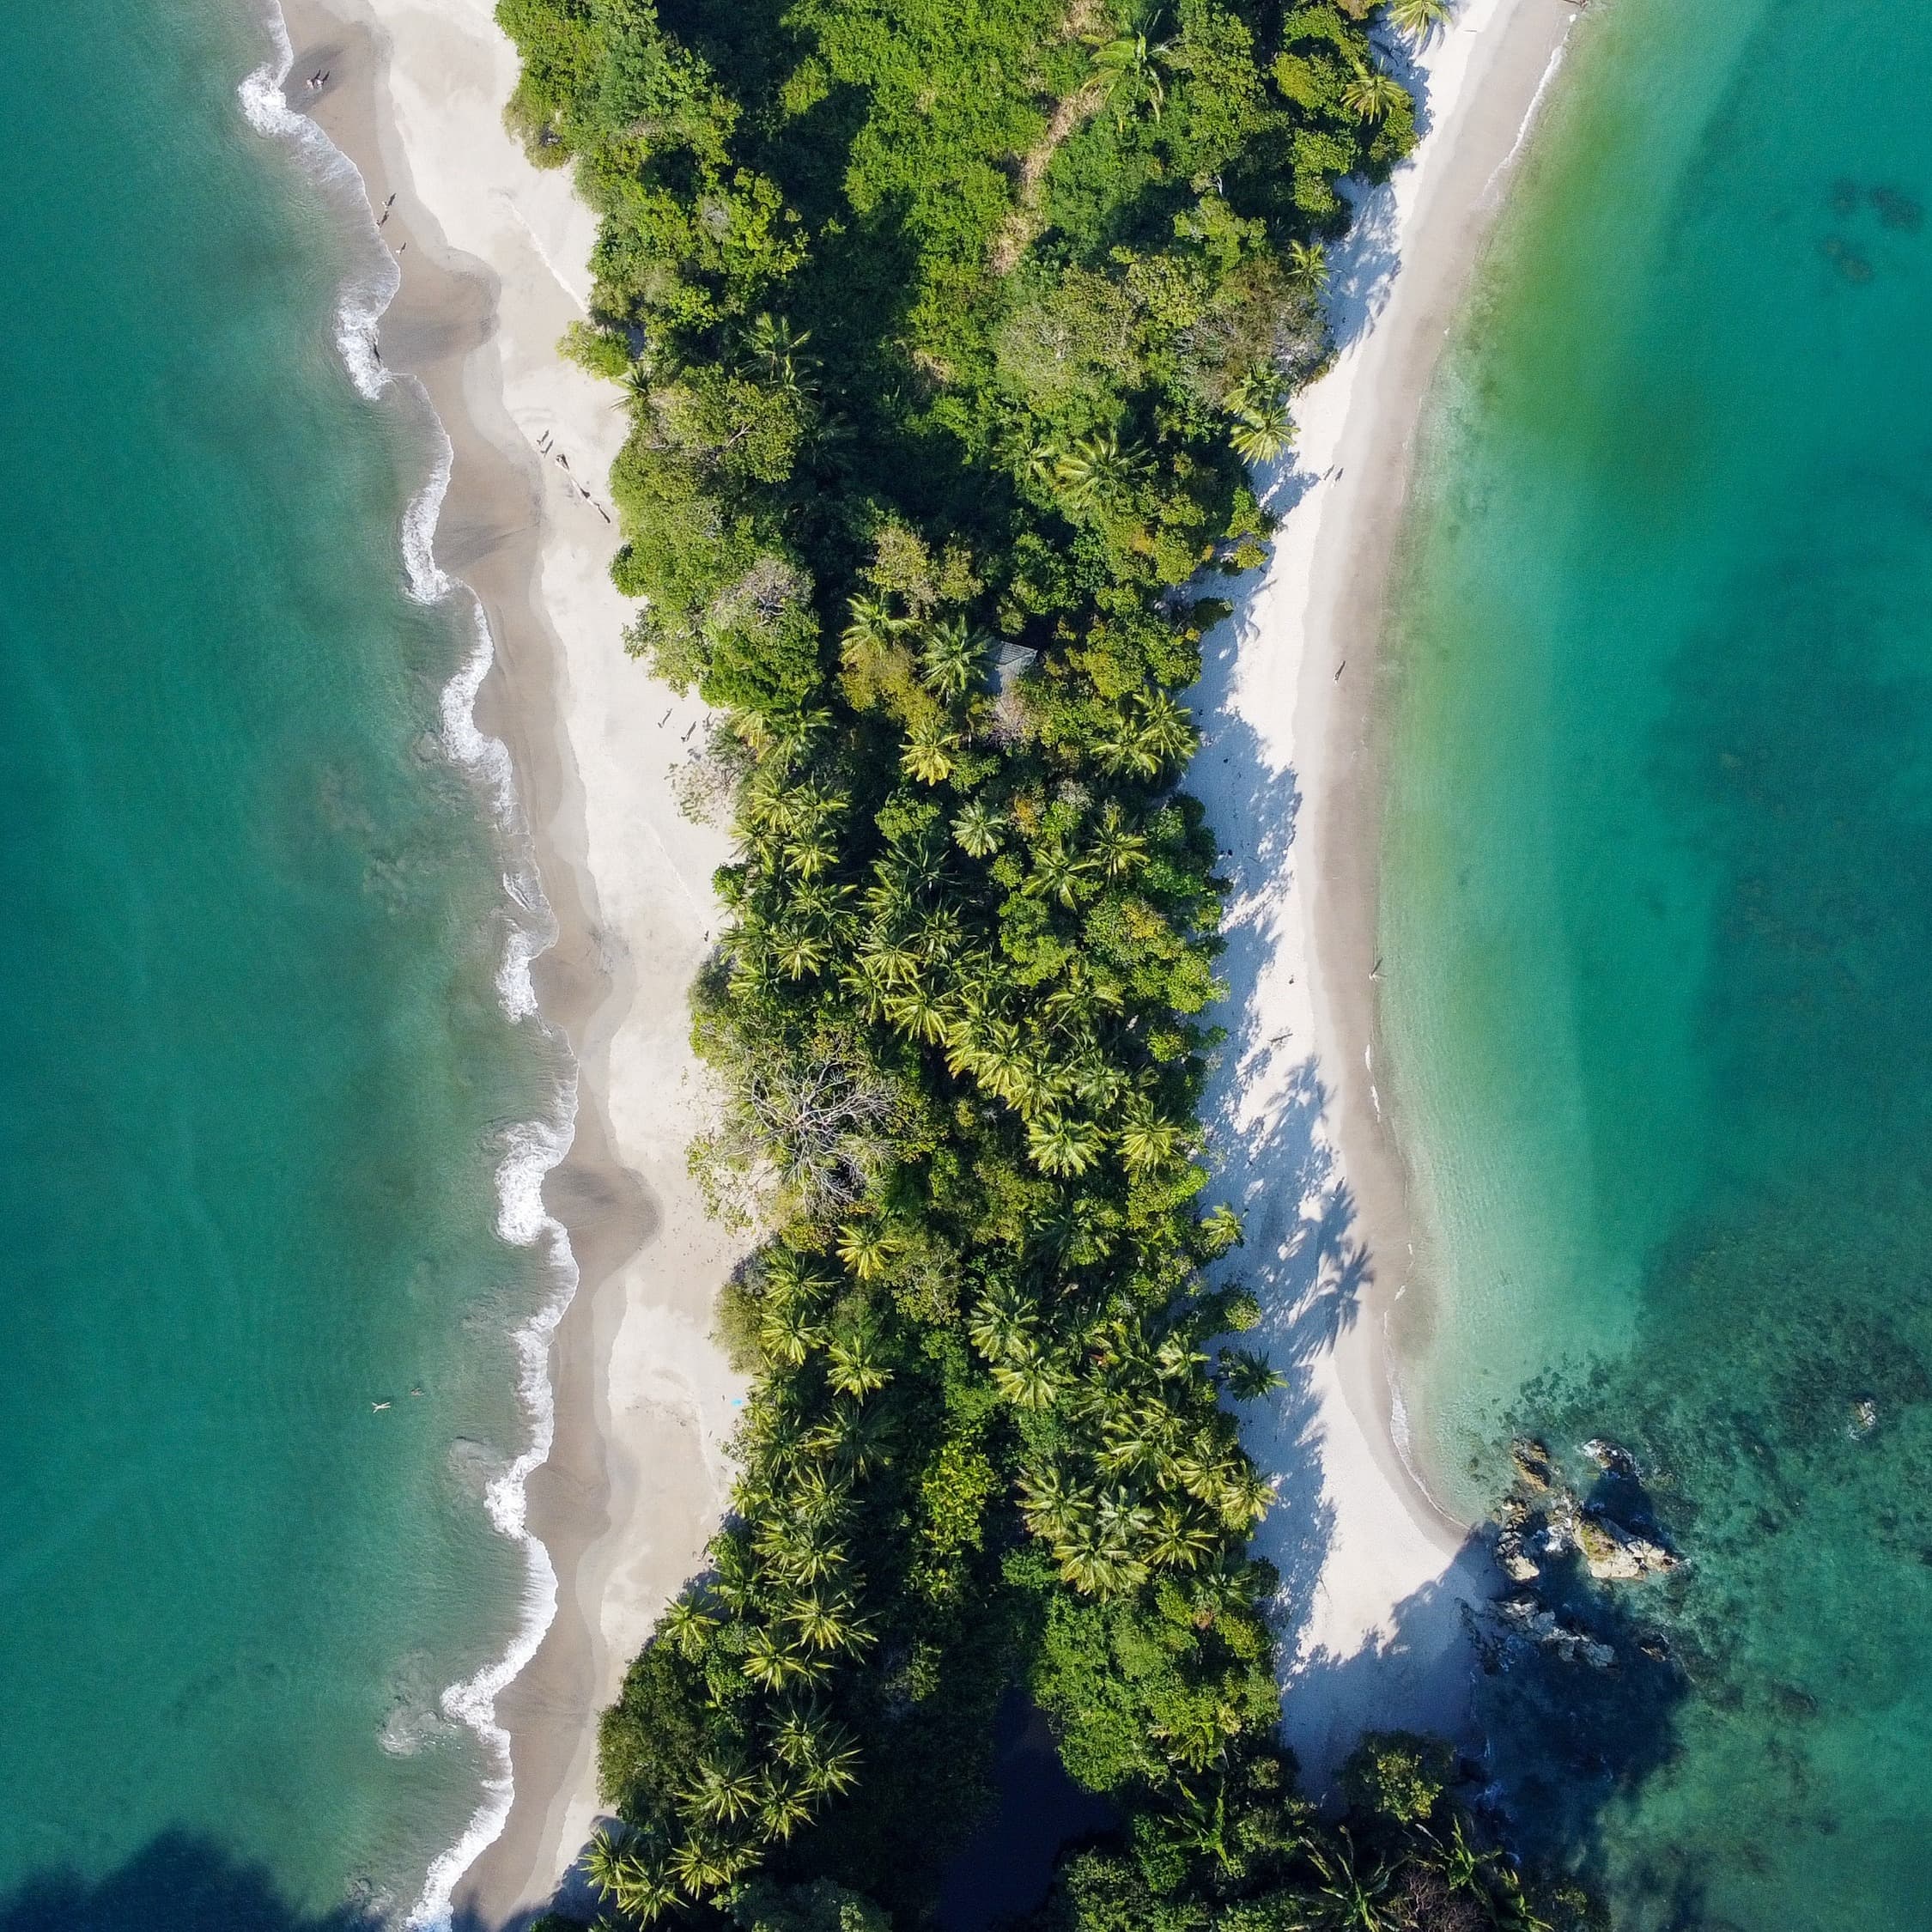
(1339, 669)
(1611, 1457)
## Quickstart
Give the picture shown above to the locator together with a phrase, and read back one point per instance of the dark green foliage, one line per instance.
(1397, 1774)
(947, 325)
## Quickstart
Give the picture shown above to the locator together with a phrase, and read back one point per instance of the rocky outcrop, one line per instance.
(1534, 1469)
(1616, 1555)
(1524, 1617)
(1544, 1520)
(1544, 1524)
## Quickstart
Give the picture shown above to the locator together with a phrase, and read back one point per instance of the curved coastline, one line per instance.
(613, 1526)
(616, 1366)
(1375, 1573)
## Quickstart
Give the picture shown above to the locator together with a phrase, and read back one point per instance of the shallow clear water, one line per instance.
(255, 1082)
(1657, 926)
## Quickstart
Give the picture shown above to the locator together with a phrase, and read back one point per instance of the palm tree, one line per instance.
(1308, 267)
(976, 830)
(1372, 94)
(857, 1365)
(928, 755)
(872, 629)
(1221, 1229)
(1164, 736)
(775, 348)
(1351, 1900)
(1096, 469)
(771, 1660)
(726, 1790)
(1246, 1499)
(867, 1247)
(797, 953)
(809, 856)
(828, 1622)
(1179, 1539)
(783, 1808)
(1130, 63)
(1063, 1146)
(1057, 873)
(686, 1626)
(619, 1868)
(1247, 1376)
(835, 1765)
(1027, 1378)
(702, 1865)
(1418, 18)
(1119, 850)
(1147, 1142)
(1259, 405)
(952, 657)
(1054, 1507)
(1001, 1323)
(916, 1011)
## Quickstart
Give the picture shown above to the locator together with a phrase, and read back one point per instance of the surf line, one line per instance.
(530, 1148)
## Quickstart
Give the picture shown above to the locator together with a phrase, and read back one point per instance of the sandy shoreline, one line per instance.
(492, 254)
(493, 260)
(1292, 703)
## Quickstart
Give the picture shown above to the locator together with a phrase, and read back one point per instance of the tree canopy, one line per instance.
(948, 329)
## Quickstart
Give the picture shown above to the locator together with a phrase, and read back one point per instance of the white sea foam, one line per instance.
(532, 1149)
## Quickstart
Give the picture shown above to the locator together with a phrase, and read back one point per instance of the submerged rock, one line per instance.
(1534, 1466)
(1611, 1457)
(1864, 1417)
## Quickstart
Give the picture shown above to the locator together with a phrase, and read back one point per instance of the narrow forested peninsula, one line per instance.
(949, 330)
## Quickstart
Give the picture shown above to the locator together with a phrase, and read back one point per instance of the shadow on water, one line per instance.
(177, 1882)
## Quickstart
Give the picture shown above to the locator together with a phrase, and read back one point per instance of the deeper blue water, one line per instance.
(1657, 920)
(255, 1080)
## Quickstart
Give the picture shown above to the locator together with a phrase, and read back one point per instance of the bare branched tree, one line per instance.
(813, 1127)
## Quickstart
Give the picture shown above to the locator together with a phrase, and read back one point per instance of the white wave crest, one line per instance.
(531, 1149)
(370, 290)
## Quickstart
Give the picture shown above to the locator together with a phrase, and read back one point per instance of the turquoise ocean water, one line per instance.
(259, 1092)
(1657, 920)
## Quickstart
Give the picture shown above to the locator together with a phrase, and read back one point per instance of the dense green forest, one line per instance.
(950, 329)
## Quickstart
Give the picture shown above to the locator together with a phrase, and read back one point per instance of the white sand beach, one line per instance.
(1373, 1577)
(493, 255)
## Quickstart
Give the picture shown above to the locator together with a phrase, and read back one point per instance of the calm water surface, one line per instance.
(1658, 916)
(255, 1083)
